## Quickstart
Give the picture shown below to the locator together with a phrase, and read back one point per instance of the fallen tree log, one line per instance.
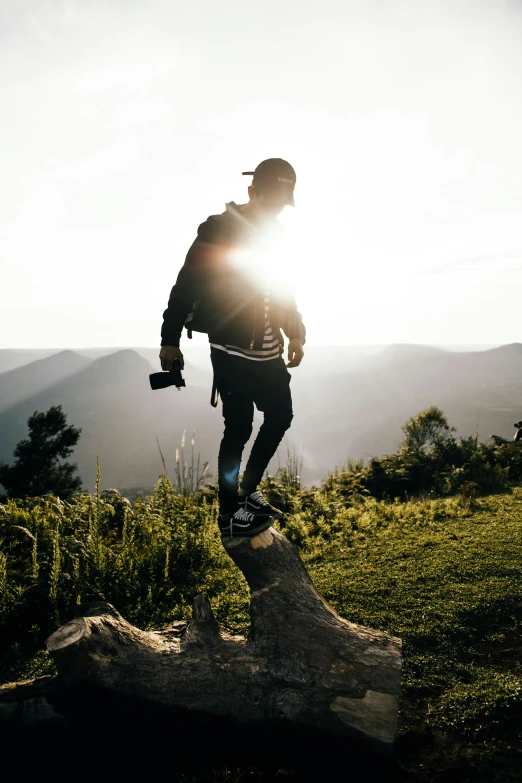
(301, 662)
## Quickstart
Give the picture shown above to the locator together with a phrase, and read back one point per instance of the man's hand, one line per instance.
(295, 353)
(167, 355)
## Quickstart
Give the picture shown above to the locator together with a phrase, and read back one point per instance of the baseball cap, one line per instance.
(272, 175)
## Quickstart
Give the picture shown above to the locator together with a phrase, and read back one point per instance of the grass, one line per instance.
(442, 574)
(445, 577)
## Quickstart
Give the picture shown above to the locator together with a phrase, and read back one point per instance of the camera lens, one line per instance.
(160, 380)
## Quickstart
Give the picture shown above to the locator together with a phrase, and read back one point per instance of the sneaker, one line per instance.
(256, 503)
(244, 523)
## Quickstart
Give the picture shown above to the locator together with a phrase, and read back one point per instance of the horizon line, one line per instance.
(309, 344)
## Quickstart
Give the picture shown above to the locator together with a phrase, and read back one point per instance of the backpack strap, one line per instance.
(214, 397)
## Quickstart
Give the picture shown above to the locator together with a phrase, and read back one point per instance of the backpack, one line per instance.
(195, 320)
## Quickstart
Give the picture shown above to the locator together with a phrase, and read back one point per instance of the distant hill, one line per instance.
(360, 414)
(17, 357)
(348, 402)
(33, 378)
(120, 416)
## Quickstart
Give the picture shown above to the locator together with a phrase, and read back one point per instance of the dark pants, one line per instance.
(243, 383)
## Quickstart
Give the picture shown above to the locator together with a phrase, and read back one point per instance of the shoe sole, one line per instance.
(278, 514)
(250, 533)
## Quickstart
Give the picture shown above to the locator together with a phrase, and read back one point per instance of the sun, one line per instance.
(349, 292)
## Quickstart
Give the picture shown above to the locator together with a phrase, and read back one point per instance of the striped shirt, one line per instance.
(270, 349)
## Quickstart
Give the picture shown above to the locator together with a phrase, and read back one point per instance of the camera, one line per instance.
(161, 380)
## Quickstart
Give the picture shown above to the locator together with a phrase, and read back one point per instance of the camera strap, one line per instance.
(215, 393)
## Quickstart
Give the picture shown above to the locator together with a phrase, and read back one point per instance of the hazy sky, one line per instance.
(125, 123)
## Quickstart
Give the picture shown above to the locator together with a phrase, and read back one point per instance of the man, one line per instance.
(223, 288)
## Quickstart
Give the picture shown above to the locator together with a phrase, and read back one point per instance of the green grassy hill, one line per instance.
(443, 574)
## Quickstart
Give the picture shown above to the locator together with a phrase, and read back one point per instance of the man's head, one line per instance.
(272, 186)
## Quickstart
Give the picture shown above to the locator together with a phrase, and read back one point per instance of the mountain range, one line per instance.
(348, 402)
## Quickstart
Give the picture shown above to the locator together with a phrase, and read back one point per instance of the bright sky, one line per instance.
(125, 124)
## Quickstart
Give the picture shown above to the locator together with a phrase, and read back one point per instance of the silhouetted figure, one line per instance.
(224, 290)
(518, 433)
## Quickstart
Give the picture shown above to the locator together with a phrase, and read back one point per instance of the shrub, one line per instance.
(432, 462)
(149, 559)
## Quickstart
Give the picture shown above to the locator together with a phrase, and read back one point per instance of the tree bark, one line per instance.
(301, 664)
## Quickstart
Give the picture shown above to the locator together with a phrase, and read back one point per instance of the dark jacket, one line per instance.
(230, 304)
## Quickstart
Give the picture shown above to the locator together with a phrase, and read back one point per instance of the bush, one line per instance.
(432, 462)
(149, 559)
